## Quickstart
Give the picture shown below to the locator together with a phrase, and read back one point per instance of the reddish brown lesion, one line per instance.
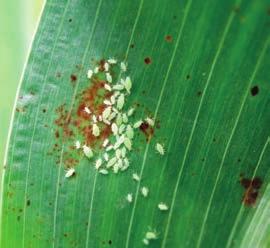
(147, 130)
(252, 187)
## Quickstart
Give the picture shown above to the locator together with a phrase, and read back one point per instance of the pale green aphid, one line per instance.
(120, 101)
(106, 66)
(105, 142)
(130, 112)
(112, 116)
(162, 206)
(122, 128)
(96, 70)
(77, 144)
(95, 130)
(107, 87)
(111, 162)
(116, 168)
(106, 157)
(129, 197)
(110, 147)
(129, 132)
(160, 149)
(118, 153)
(136, 177)
(87, 110)
(119, 119)
(112, 61)
(98, 163)
(88, 151)
(128, 143)
(146, 241)
(108, 77)
(94, 118)
(123, 66)
(107, 102)
(128, 84)
(125, 118)
(118, 87)
(103, 171)
(70, 172)
(138, 124)
(151, 235)
(114, 129)
(113, 99)
(123, 151)
(144, 191)
(150, 121)
(106, 113)
(90, 74)
(119, 142)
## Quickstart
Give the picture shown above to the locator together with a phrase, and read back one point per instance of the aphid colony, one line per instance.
(114, 153)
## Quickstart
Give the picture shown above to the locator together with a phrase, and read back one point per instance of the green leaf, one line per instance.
(200, 68)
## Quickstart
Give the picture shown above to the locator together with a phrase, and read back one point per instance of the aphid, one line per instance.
(99, 118)
(111, 162)
(123, 151)
(118, 153)
(77, 144)
(106, 122)
(95, 130)
(108, 77)
(130, 112)
(151, 235)
(118, 87)
(113, 99)
(150, 121)
(106, 66)
(128, 84)
(146, 241)
(115, 110)
(129, 132)
(120, 163)
(88, 151)
(98, 163)
(160, 149)
(70, 172)
(126, 165)
(123, 66)
(119, 119)
(138, 124)
(105, 142)
(144, 191)
(120, 101)
(89, 74)
(112, 116)
(109, 148)
(128, 143)
(107, 102)
(112, 61)
(129, 197)
(114, 129)
(116, 168)
(136, 177)
(162, 206)
(94, 118)
(116, 93)
(96, 70)
(106, 157)
(103, 171)
(125, 118)
(119, 141)
(122, 129)
(106, 113)
(108, 87)
(87, 110)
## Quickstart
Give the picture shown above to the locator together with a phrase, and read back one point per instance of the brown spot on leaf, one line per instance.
(251, 187)
(147, 130)
(254, 90)
(147, 60)
(168, 38)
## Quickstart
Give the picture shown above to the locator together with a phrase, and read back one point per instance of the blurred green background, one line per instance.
(18, 21)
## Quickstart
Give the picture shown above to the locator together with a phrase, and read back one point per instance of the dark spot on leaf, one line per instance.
(58, 75)
(251, 187)
(147, 130)
(70, 19)
(132, 45)
(239, 160)
(268, 11)
(254, 90)
(147, 60)
(28, 203)
(214, 140)
(110, 242)
(57, 135)
(188, 77)
(236, 9)
(174, 17)
(199, 93)
(73, 78)
(65, 235)
(18, 218)
(168, 38)
(44, 110)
